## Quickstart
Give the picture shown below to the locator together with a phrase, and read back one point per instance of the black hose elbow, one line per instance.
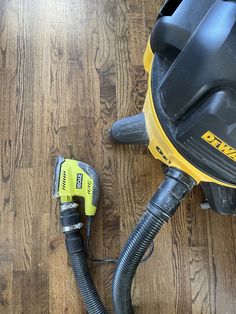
(170, 193)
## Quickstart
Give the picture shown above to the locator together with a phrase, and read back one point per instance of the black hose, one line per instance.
(160, 209)
(70, 221)
(129, 260)
(85, 284)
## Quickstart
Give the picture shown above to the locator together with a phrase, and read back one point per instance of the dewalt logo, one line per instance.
(220, 145)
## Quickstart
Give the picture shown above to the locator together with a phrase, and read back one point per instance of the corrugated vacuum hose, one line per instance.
(70, 221)
(159, 210)
(85, 284)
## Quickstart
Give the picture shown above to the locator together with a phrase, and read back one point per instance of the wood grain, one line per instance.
(68, 70)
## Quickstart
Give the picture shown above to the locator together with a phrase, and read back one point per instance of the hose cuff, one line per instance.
(74, 244)
(170, 193)
(70, 218)
(158, 212)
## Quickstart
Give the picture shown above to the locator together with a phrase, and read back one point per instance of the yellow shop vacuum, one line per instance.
(188, 123)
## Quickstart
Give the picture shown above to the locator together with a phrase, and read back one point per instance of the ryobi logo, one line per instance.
(220, 145)
(79, 181)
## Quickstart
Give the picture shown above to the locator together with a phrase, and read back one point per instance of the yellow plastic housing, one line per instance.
(75, 182)
(159, 144)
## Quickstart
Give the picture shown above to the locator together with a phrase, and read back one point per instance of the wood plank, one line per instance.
(6, 175)
(198, 253)
(26, 59)
(7, 105)
(8, 36)
(28, 292)
(222, 263)
(181, 261)
(6, 290)
(138, 31)
(199, 275)
(23, 213)
(6, 227)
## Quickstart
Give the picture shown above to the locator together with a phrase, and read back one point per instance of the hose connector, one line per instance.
(170, 193)
(71, 225)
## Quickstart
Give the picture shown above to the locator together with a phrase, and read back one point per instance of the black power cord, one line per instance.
(107, 260)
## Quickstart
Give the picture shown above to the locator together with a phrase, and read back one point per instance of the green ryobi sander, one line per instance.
(188, 122)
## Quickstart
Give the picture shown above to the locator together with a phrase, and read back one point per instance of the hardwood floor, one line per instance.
(68, 69)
